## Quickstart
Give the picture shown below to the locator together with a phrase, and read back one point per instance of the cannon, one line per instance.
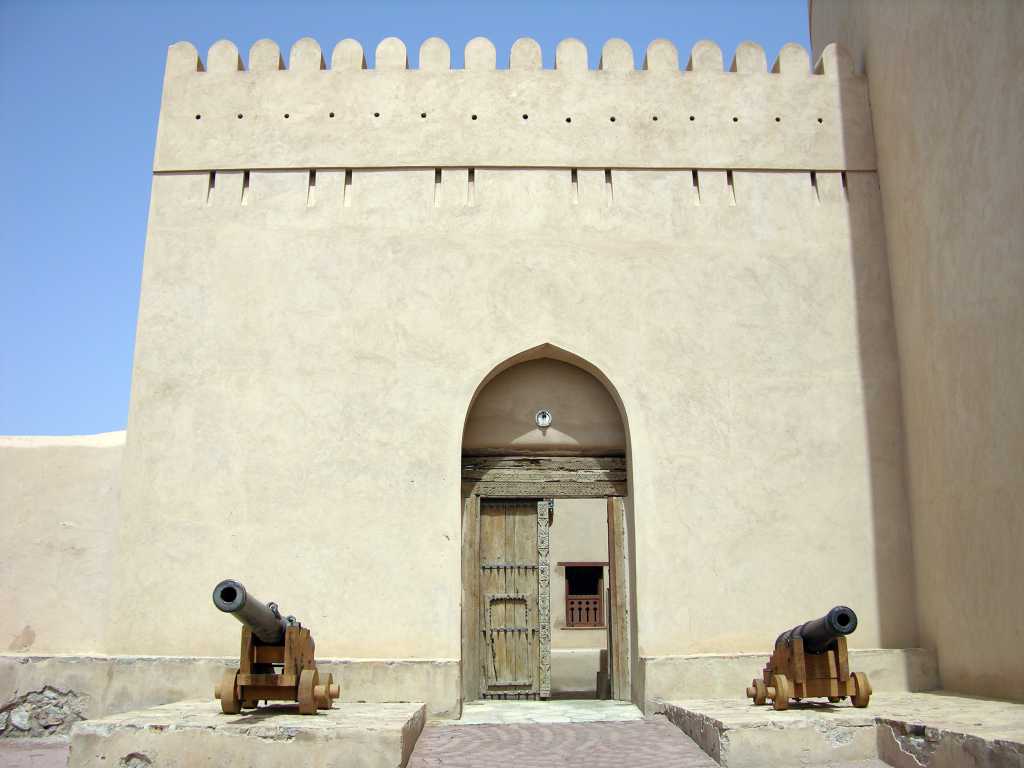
(277, 660)
(811, 660)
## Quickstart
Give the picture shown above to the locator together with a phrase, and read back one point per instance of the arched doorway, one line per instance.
(544, 477)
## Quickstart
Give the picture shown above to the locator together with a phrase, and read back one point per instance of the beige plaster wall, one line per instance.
(308, 348)
(59, 502)
(585, 419)
(312, 366)
(574, 671)
(948, 101)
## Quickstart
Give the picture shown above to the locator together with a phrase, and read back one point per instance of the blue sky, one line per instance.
(79, 99)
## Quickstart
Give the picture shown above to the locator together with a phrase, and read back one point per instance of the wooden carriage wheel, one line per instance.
(780, 701)
(227, 692)
(862, 696)
(760, 692)
(308, 681)
(326, 692)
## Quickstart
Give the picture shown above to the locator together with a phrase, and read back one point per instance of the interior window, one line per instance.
(584, 596)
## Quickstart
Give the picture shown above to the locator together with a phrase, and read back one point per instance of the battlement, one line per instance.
(480, 54)
(311, 114)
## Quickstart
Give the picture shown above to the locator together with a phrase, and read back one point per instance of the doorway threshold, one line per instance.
(556, 711)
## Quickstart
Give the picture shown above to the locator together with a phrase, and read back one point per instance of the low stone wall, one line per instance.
(45, 695)
(709, 676)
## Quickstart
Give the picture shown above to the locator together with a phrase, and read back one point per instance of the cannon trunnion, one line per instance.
(811, 660)
(270, 643)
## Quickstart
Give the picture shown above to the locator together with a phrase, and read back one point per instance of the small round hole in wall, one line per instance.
(654, 118)
(568, 119)
(286, 115)
(330, 114)
(473, 117)
(239, 115)
(376, 114)
(820, 120)
(198, 117)
(611, 119)
(778, 119)
(423, 114)
(735, 119)
(692, 118)
(526, 117)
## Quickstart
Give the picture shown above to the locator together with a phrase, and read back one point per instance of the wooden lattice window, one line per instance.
(584, 595)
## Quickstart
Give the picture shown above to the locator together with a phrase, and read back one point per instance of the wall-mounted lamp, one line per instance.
(543, 419)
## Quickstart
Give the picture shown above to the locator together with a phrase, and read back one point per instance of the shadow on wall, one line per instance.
(880, 379)
(585, 420)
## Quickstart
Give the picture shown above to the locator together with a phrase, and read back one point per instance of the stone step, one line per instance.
(906, 730)
(195, 734)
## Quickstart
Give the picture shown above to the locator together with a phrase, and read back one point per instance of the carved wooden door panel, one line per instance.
(515, 599)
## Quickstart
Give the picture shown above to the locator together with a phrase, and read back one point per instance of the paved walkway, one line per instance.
(645, 743)
(34, 753)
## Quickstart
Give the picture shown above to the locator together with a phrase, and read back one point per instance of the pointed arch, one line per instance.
(500, 439)
(547, 350)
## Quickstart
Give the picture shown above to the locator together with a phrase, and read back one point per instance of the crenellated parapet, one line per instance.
(313, 111)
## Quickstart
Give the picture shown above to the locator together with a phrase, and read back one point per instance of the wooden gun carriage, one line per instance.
(811, 660)
(270, 641)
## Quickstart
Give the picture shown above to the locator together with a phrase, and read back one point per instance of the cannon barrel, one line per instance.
(819, 634)
(265, 621)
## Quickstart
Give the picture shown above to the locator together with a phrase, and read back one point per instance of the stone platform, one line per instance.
(195, 734)
(906, 730)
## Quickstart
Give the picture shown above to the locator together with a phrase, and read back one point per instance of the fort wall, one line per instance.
(322, 296)
(946, 104)
(318, 309)
(60, 500)
(222, 116)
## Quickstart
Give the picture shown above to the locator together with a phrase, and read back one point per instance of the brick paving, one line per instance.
(34, 753)
(649, 743)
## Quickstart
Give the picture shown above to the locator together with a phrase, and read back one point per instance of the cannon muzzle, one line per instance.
(819, 634)
(265, 621)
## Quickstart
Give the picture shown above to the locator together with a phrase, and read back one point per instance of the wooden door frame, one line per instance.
(546, 478)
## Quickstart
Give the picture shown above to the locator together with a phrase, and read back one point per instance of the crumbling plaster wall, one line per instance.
(308, 344)
(947, 103)
(59, 497)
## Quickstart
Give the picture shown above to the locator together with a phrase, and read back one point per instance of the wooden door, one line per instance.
(619, 653)
(514, 593)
